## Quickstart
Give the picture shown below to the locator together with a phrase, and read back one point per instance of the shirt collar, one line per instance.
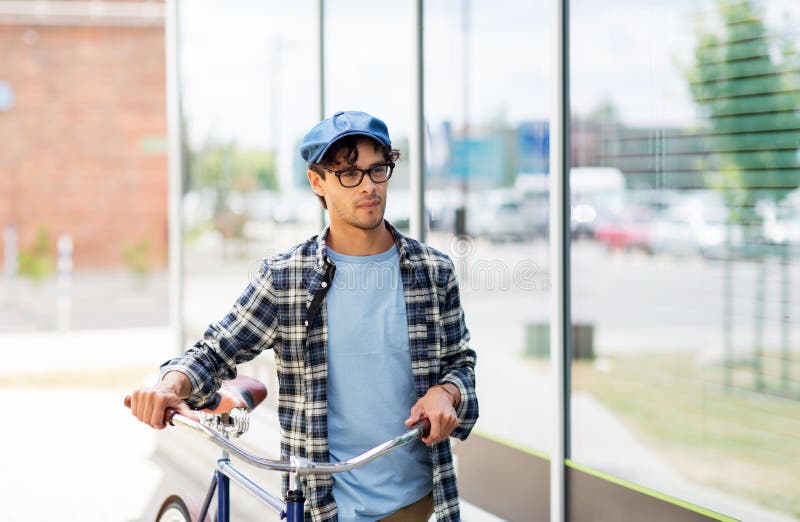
(399, 240)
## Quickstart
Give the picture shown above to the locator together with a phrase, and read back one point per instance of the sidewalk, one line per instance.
(84, 350)
(74, 455)
(76, 452)
(100, 299)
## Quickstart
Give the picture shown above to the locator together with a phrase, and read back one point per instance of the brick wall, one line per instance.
(83, 147)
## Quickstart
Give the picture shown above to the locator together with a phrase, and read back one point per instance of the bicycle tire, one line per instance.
(173, 509)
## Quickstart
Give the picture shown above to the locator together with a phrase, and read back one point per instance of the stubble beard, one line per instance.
(368, 222)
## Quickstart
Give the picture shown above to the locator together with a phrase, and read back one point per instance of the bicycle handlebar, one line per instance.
(299, 465)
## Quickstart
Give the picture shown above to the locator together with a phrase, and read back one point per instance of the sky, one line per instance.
(250, 67)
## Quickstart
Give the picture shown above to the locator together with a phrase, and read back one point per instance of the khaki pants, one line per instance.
(419, 511)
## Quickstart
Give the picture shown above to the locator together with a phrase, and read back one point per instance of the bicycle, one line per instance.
(228, 417)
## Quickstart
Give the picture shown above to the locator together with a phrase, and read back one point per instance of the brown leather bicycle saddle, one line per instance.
(241, 392)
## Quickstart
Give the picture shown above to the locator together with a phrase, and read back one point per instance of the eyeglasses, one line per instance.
(353, 177)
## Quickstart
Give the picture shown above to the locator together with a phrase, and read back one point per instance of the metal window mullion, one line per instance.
(175, 174)
(559, 260)
(417, 141)
(321, 27)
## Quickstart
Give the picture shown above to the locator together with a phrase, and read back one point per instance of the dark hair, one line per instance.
(346, 149)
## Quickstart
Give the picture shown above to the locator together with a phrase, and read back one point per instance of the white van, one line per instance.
(598, 194)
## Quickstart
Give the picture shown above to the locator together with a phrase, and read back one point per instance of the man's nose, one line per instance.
(367, 185)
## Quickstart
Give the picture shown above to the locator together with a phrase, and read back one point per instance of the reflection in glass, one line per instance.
(486, 195)
(248, 101)
(690, 284)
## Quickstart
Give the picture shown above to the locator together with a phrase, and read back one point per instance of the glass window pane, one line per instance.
(486, 190)
(684, 259)
(487, 108)
(375, 77)
(250, 93)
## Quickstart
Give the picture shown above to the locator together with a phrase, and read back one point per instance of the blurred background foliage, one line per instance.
(746, 81)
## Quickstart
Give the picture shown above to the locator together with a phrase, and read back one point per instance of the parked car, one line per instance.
(506, 215)
(697, 224)
(598, 196)
(629, 232)
(782, 221)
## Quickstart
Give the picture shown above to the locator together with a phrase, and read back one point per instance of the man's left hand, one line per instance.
(436, 406)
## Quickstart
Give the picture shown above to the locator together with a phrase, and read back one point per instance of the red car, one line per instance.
(629, 232)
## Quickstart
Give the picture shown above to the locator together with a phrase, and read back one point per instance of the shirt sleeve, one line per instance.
(458, 359)
(249, 328)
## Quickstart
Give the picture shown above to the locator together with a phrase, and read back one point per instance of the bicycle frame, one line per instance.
(291, 507)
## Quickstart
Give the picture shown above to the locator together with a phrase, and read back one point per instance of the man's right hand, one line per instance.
(150, 404)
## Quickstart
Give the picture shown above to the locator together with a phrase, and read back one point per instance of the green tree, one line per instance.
(224, 167)
(747, 83)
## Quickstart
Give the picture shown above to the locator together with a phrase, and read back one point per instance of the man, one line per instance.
(368, 332)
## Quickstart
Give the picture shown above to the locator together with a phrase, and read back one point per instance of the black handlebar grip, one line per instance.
(425, 426)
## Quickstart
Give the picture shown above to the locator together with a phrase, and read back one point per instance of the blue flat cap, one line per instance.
(344, 123)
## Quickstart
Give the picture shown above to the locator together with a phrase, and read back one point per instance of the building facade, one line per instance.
(83, 128)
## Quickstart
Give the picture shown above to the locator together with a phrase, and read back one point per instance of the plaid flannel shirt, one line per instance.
(281, 309)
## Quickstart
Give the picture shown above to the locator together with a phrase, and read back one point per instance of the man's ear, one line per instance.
(316, 182)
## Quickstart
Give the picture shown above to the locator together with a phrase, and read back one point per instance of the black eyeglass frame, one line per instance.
(367, 172)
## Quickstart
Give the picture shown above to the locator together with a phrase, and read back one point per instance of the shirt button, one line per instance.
(305, 323)
(324, 284)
